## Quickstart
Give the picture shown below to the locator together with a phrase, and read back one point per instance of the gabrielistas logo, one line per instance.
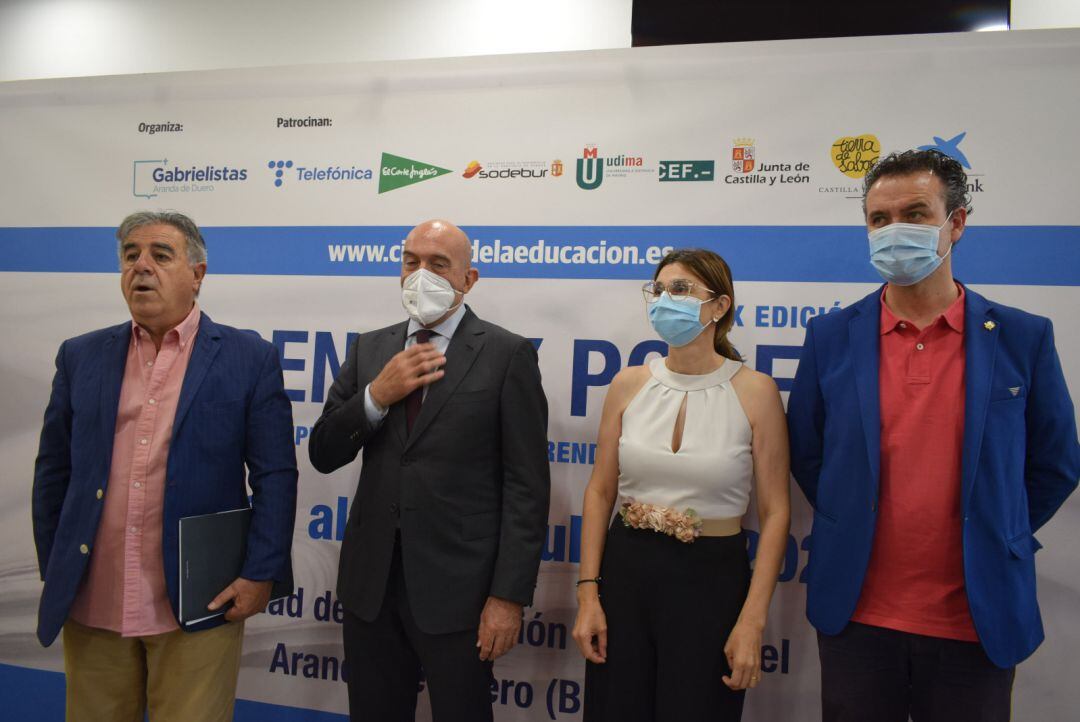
(398, 172)
(590, 169)
(150, 178)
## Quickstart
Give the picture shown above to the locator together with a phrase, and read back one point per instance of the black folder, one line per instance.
(212, 551)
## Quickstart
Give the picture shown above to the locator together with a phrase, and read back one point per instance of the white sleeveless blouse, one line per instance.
(712, 472)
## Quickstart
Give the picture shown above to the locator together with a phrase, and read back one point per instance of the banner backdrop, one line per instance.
(572, 173)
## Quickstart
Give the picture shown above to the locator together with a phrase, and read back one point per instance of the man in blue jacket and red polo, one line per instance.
(933, 433)
(162, 417)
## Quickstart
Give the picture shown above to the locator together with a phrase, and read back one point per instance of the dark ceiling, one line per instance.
(675, 22)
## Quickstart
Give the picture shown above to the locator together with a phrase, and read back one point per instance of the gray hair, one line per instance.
(196, 246)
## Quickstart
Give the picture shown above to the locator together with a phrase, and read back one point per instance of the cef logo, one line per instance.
(686, 170)
(742, 155)
(590, 169)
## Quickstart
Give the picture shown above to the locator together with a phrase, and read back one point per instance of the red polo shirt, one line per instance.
(915, 581)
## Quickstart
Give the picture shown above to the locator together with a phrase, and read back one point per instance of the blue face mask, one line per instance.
(906, 253)
(677, 322)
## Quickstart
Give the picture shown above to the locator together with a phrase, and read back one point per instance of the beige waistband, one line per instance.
(721, 527)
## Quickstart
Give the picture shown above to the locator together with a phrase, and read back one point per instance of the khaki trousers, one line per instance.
(177, 676)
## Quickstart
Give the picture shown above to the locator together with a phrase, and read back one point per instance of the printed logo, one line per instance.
(742, 155)
(854, 156)
(950, 147)
(746, 168)
(511, 170)
(279, 166)
(556, 168)
(151, 178)
(687, 170)
(590, 169)
(398, 172)
(319, 174)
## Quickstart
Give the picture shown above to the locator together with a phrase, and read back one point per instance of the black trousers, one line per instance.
(389, 656)
(670, 607)
(872, 673)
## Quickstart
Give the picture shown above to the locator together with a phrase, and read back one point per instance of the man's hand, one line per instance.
(248, 598)
(499, 625)
(416, 366)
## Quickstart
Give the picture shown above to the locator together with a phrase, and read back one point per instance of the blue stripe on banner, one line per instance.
(38, 695)
(1017, 255)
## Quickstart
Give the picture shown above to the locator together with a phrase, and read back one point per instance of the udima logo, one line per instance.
(590, 169)
(398, 172)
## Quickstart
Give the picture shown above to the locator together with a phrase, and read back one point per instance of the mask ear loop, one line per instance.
(951, 243)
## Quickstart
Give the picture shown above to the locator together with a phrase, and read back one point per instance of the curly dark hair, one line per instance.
(948, 169)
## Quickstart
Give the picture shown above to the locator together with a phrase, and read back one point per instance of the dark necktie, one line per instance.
(415, 399)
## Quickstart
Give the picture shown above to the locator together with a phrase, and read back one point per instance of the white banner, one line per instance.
(572, 173)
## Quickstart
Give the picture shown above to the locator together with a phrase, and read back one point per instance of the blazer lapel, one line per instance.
(113, 365)
(207, 345)
(980, 343)
(390, 344)
(865, 334)
(460, 355)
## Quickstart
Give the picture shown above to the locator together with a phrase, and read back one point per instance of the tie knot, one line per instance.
(423, 335)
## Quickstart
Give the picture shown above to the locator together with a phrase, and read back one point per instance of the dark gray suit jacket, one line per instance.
(469, 487)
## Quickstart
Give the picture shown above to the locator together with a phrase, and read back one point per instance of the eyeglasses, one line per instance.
(678, 289)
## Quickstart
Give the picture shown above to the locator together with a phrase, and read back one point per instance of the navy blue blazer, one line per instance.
(1020, 461)
(232, 413)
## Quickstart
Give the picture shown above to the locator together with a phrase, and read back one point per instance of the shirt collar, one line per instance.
(953, 315)
(185, 330)
(445, 329)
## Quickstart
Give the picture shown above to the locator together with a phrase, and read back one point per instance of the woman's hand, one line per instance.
(743, 652)
(590, 631)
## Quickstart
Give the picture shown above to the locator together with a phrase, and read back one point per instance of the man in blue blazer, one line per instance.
(156, 419)
(933, 434)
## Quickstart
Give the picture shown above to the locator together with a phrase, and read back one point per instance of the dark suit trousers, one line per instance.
(872, 673)
(389, 656)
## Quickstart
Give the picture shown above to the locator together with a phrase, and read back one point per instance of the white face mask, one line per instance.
(427, 296)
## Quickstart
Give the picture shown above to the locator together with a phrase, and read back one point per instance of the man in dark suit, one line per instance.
(149, 422)
(933, 434)
(443, 543)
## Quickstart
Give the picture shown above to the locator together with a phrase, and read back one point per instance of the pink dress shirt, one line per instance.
(124, 590)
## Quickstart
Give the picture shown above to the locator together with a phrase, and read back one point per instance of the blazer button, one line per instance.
(354, 436)
(84, 549)
(393, 508)
(100, 493)
(406, 460)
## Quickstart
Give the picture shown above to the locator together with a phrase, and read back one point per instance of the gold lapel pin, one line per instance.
(989, 325)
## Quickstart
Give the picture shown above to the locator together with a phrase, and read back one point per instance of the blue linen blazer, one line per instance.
(232, 413)
(1020, 461)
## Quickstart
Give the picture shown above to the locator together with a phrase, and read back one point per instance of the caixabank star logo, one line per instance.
(951, 148)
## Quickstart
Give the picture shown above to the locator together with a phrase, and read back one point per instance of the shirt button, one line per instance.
(149, 363)
(153, 401)
(137, 485)
(134, 529)
(100, 493)
(919, 346)
(84, 549)
(903, 325)
(144, 442)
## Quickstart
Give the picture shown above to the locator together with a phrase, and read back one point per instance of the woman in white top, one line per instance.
(669, 617)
